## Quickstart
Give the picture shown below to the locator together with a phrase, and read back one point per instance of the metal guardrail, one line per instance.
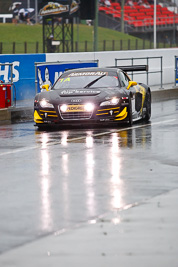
(132, 60)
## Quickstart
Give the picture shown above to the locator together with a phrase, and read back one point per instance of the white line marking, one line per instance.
(83, 137)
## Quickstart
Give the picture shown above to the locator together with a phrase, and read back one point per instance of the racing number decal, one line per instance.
(64, 80)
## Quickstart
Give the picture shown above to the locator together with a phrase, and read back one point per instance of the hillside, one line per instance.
(28, 33)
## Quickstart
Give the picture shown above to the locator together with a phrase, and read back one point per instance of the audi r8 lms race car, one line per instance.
(93, 96)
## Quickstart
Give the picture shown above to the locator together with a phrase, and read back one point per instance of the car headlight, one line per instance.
(89, 107)
(45, 104)
(112, 102)
(63, 108)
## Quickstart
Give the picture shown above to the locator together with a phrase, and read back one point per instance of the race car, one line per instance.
(93, 96)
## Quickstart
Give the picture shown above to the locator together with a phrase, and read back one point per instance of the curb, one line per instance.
(22, 114)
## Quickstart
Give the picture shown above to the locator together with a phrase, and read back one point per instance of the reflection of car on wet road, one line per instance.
(93, 95)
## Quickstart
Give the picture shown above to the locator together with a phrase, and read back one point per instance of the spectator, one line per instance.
(89, 22)
(107, 3)
(24, 16)
(50, 47)
(15, 13)
(130, 3)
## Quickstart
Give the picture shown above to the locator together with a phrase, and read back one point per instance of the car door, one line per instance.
(124, 81)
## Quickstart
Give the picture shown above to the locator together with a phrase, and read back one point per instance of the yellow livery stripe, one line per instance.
(122, 115)
(37, 117)
(46, 111)
(102, 114)
(107, 109)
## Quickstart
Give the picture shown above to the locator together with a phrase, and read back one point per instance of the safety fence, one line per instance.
(85, 46)
(155, 66)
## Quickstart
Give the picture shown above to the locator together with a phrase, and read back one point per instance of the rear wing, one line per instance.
(133, 68)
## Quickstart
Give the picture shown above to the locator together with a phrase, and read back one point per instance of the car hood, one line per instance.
(98, 94)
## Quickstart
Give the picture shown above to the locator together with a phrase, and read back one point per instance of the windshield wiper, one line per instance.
(94, 81)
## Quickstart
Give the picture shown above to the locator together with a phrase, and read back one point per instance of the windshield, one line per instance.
(86, 82)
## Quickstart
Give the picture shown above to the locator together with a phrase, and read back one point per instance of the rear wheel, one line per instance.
(130, 120)
(148, 107)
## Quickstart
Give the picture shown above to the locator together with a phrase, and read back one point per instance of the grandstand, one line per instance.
(139, 18)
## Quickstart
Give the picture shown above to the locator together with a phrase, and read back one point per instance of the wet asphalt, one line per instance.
(54, 180)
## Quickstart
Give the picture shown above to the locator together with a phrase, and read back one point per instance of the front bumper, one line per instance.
(99, 115)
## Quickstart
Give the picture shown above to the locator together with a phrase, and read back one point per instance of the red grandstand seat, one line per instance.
(140, 17)
(170, 21)
(117, 16)
(103, 8)
(115, 5)
(138, 23)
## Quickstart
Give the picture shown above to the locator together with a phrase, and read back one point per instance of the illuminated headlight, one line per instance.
(89, 107)
(63, 108)
(45, 104)
(112, 102)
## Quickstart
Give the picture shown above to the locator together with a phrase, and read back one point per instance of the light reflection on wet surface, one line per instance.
(71, 176)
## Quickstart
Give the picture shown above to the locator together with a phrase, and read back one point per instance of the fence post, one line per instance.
(132, 60)
(85, 46)
(76, 46)
(104, 45)
(128, 44)
(13, 47)
(25, 47)
(0, 47)
(121, 44)
(150, 44)
(37, 47)
(164, 44)
(143, 43)
(161, 72)
(136, 44)
(147, 62)
(115, 61)
(113, 45)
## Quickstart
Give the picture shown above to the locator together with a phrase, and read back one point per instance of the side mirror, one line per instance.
(131, 83)
(46, 86)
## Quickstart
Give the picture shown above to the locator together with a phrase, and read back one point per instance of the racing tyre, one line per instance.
(130, 121)
(148, 107)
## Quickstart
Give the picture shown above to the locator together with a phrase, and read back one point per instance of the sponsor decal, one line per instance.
(75, 108)
(91, 73)
(53, 8)
(5, 74)
(79, 92)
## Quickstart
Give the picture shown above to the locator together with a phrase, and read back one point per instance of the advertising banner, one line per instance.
(48, 73)
(61, 8)
(23, 73)
(176, 81)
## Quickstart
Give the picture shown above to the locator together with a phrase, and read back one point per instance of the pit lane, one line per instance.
(53, 180)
